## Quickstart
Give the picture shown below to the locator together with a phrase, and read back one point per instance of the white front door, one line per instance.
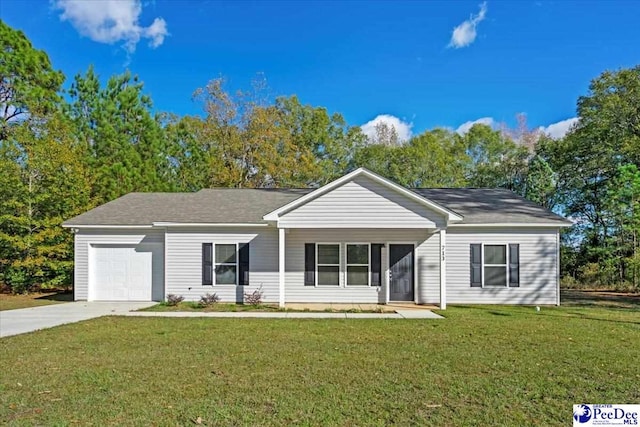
(121, 273)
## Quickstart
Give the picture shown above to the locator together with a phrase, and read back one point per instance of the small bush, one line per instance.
(174, 300)
(209, 299)
(255, 297)
(18, 280)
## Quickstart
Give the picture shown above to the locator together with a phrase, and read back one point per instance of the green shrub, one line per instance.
(18, 280)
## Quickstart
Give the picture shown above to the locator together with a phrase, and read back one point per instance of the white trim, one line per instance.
(164, 266)
(90, 272)
(346, 264)
(207, 224)
(512, 224)
(273, 216)
(558, 268)
(339, 285)
(214, 263)
(415, 270)
(443, 269)
(281, 267)
(214, 282)
(505, 265)
(108, 226)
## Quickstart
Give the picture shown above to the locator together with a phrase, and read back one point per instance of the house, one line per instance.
(359, 239)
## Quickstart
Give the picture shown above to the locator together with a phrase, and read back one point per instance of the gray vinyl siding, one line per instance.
(362, 203)
(184, 262)
(538, 264)
(426, 264)
(83, 240)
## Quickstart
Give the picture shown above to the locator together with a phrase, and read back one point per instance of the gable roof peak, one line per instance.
(274, 215)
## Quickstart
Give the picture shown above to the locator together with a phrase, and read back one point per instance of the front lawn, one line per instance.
(37, 299)
(480, 366)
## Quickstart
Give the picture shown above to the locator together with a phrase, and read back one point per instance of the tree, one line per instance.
(245, 141)
(539, 182)
(126, 144)
(332, 142)
(28, 83)
(385, 134)
(606, 137)
(495, 160)
(587, 165)
(44, 181)
(434, 158)
(623, 203)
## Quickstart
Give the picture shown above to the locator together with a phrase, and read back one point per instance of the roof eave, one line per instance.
(132, 226)
(515, 224)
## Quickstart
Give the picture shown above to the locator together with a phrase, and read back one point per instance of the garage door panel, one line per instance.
(122, 272)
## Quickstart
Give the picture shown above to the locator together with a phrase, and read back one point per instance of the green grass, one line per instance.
(480, 366)
(12, 302)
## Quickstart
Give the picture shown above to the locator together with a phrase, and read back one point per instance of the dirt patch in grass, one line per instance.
(572, 297)
(36, 299)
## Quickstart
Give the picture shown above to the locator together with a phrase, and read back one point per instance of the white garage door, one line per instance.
(121, 273)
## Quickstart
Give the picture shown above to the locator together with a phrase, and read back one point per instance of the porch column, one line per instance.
(443, 269)
(281, 238)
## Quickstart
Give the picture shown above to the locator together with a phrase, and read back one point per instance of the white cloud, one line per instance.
(465, 34)
(403, 129)
(554, 130)
(559, 129)
(112, 21)
(464, 128)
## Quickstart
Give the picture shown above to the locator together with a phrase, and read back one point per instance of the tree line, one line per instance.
(66, 149)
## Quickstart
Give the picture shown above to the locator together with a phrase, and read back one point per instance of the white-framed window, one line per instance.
(358, 262)
(327, 264)
(495, 265)
(226, 264)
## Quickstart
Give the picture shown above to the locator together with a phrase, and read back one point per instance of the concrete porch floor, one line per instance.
(380, 308)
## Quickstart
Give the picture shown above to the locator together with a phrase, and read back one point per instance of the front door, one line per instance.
(400, 272)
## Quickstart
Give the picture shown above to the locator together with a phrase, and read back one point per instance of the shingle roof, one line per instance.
(236, 206)
(213, 206)
(490, 206)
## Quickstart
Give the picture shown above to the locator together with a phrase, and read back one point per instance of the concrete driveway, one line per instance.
(14, 322)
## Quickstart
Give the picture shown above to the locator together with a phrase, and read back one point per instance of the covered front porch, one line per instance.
(362, 267)
(362, 239)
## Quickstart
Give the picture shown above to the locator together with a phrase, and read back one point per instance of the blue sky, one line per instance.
(361, 59)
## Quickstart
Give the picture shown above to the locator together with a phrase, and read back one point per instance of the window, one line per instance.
(495, 265)
(358, 264)
(225, 266)
(328, 262)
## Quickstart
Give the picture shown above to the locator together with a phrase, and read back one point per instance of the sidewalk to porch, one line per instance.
(377, 308)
